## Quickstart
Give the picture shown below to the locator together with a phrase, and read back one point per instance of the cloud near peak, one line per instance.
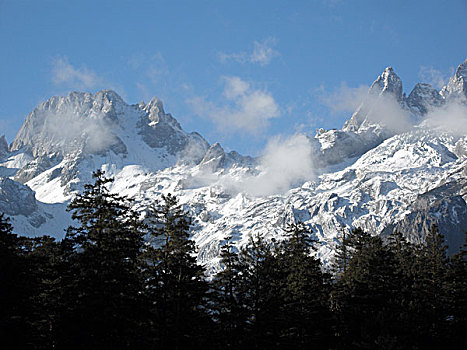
(244, 108)
(65, 74)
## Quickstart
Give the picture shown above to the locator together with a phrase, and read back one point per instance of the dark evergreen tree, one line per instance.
(343, 254)
(43, 264)
(175, 283)
(101, 304)
(306, 318)
(404, 278)
(260, 293)
(226, 300)
(14, 294)
(429, 304)
(457, 299)
(365, 298)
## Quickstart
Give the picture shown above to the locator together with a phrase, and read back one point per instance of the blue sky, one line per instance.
(238, 72)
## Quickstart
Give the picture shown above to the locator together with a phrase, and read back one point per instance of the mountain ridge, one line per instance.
(376, 173)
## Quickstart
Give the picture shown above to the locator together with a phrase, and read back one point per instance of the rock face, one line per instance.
(423, 98)
(457, 86)
(369, 174)
(216, 159)
(164, 131)
(3, 147)
(389, 85)
(16, 199)
(79, 122)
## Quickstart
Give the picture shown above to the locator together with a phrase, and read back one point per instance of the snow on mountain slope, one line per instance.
(387, 169)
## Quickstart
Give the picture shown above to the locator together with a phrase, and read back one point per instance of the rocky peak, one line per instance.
(156, 114)
(3, 146)
(216, 158)
(215, 154)
(423, 97)
(387, 82)
(154, 107)
(457, 86)
(15, 198)
(73, 123)
(461, 71)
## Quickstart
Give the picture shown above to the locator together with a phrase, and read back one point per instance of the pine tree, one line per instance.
(260, 292)
(14, 295)
(457, 299)
(226, 301)
(404, 279)
(175, 283)
(43, 262)
(102, 284)
(364, 298)
(342, 255)
(430, 288)
(305, 311)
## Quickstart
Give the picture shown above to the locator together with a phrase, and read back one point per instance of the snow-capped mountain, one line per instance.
(394, 165)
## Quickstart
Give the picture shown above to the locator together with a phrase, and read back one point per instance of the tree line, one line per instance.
(116, 282)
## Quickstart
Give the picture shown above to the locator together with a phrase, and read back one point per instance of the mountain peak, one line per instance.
(423, 97)
(457, 86)
(156, 113)
(388, 82)
(155, 105)
(461, 71)
(109, 95)
(3, 146)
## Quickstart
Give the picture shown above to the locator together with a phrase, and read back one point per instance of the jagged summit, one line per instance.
(424, 97)
(387, 82)
(73, 123)
(457, 85)
(368, 174)
(386, 93)
(156, 113)
(387, 86)
(3, 146)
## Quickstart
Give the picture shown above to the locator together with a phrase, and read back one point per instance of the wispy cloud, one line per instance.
(343, 98)
(451, 118)
(68, 128)
(245, 108)
(286, 163)
(152, 74)
(66, 75)
(433, 76)
(382, 109)
(262, 54)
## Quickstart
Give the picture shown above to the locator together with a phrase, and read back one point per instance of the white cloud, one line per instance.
(263, 51)
(65, 74)
(451, 118)
(246, 109)
(262, 54)
(286, 163)
(153, 76)
(434, 77)
(68, 128)
(344, 98)
(235, 87)
(377, 108)
(385, 110)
